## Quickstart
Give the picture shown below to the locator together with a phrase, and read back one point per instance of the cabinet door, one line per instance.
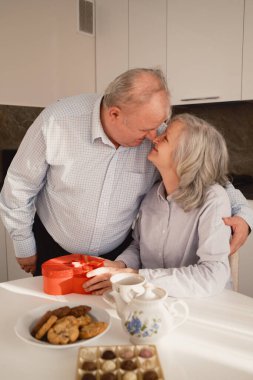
(111, 41)
(147, 33)
(247, 73)
(204, 50)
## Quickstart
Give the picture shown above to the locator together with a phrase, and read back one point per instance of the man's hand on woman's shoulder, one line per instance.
(240, 232)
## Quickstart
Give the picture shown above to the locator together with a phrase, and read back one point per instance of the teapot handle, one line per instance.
(174, 311)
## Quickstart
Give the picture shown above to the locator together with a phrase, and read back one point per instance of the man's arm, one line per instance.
(25, 178)
(241, 221)
(28, 264)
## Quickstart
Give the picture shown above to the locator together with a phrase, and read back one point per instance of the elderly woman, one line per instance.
(180, 241)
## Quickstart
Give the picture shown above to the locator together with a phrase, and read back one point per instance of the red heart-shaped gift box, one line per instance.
(66, 274)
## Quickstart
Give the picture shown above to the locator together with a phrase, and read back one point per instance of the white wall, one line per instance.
(43, 56)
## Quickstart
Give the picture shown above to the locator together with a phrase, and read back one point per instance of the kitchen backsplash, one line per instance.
(233, 119)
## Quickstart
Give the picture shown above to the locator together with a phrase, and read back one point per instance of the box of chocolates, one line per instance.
(126, 362)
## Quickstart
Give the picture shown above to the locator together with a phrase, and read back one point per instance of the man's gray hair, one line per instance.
(201, 158)
(135, 86)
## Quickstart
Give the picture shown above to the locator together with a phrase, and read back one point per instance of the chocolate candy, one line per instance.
(150, 375)
(108, 376)
(108, 355)
(108, 365)
(88, 376)
(89, 366)
(126, 362)
(126, 353)
(146, 353)
(129, 376)
(128, 365)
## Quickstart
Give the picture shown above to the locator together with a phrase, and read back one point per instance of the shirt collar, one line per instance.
(161, 193)
(97, 131)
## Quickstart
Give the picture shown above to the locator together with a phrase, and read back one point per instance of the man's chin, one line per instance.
(133, 144)
(139, 142)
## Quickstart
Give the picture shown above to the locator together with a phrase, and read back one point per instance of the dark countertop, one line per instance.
(244, 183)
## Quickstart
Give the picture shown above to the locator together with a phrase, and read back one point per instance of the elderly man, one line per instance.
(82, 168)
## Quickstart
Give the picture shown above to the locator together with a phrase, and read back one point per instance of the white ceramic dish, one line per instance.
(108, 298)
(25, 322)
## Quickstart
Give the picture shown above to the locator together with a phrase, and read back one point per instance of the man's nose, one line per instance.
(157, 139)
(151, 135)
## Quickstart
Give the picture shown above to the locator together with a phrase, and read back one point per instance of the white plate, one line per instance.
(108, 298)
(25, 322)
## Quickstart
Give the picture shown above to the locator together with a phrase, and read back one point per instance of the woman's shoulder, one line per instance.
(218, 197)
(216, 191)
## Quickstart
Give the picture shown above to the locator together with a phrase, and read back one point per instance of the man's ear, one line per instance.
(114, 113)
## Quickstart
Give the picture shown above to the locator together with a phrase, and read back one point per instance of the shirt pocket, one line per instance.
(135, 186)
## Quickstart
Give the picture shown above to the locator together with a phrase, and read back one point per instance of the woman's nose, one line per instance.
(157, 139)
(151, 135)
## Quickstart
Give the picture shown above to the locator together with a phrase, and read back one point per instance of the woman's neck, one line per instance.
(170, 181)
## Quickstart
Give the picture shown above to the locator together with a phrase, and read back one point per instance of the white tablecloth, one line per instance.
(215, 343)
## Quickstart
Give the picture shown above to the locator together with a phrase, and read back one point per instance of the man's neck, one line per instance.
(106, 125)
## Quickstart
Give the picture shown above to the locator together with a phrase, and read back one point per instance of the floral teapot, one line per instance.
(148, 317)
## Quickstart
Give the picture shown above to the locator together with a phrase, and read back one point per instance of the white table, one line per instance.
(215, 343)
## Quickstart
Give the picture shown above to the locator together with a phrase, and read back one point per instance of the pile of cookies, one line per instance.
(125, 362)
(66, 325)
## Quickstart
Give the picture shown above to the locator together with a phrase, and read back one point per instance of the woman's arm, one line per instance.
(128, 261)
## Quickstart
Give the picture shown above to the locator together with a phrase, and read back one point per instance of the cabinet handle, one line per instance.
(203, 98)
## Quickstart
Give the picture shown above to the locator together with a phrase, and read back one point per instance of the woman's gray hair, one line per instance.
(135, 86)
(201, 158)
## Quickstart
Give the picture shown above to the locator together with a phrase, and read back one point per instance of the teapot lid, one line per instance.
(152, 293)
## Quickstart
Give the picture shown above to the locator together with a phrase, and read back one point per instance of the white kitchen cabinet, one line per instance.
(147, 33)
(128, 34)
(247, 73)
(111, 41)
(204, 47)
(204, 50)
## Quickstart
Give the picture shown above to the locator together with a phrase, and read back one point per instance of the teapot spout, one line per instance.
(120, 303)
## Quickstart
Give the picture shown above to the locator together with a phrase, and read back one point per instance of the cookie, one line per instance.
(45, 327)
(64, 331)
(92, 329)
(61, 311)
(80, 310)
(69, 320)
(41, 322)
(84, 320)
